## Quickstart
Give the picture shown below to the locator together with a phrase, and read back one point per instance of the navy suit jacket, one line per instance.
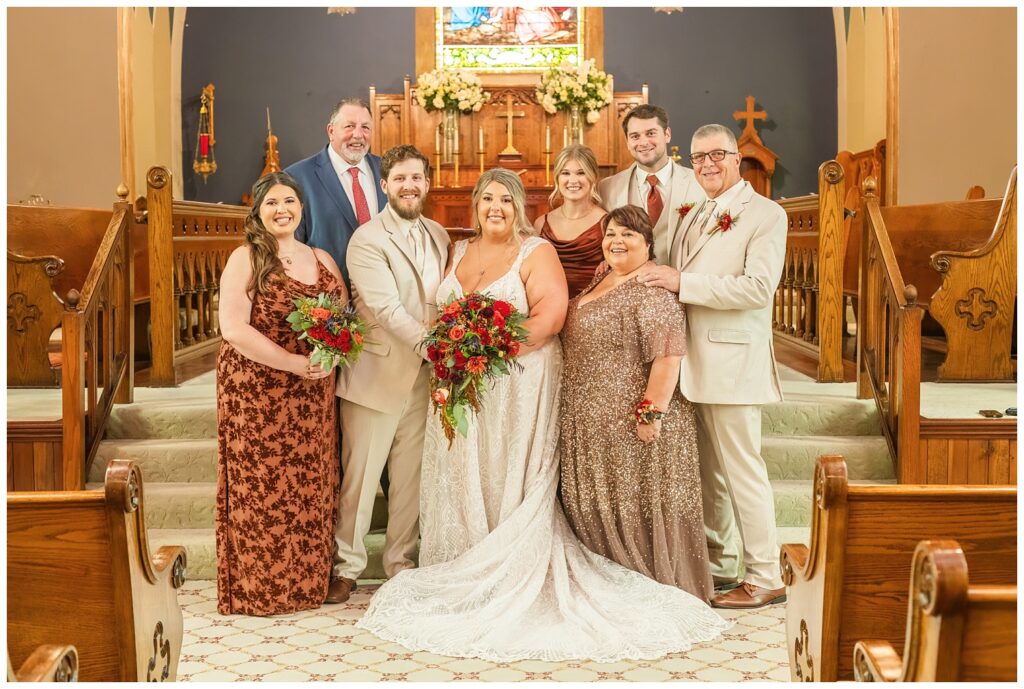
(328, 219)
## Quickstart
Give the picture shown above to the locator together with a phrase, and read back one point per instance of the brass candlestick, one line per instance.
(437, 169)
(547, 167)
(455, 159)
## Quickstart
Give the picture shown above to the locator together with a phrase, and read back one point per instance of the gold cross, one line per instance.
(509, 148)
(750, 115)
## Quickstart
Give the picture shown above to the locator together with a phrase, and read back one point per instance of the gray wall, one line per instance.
(700, 65)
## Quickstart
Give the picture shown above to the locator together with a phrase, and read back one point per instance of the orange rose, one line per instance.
(320, 313)
(457, 332)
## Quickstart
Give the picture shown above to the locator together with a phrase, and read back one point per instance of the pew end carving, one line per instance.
(975, 302)
(956, 631)
(81, 564)
(34, 311)
(852, 581)
(48, 663)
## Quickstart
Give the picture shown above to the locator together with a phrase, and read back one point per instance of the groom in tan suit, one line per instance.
(395, 262)
(727, 256)
(653, 182)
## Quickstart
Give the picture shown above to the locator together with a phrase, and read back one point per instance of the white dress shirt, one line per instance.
(664, 176)
(341, 167)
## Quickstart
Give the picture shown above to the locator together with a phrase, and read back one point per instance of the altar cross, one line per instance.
(510, 150)
(750, 115)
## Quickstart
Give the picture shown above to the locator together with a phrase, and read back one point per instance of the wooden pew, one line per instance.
(48, 663)
(956, 631)
(79, 572)
(851, 583)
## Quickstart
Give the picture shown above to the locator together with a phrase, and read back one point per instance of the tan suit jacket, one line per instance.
(621, 189)
(728, 283)
(388, 292)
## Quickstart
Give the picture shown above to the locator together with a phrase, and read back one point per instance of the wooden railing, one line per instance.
(97, 346)
(809, 299)
(889, 340)
(189, 243)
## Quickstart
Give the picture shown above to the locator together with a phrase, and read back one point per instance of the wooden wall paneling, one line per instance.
(959, 448)
(937, 456)
(977, 461)
(999, 466)
(21, 460)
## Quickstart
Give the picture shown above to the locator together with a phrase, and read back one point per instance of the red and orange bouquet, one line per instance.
(476, 339)
(335, 330)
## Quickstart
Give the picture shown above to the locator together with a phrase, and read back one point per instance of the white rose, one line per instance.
(476, 108)
(593, 116)
(438, 102)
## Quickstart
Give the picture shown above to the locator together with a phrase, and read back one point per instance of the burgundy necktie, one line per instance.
(654, 203)
(362, 207)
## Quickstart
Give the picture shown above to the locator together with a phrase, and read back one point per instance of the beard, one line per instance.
(403, 209)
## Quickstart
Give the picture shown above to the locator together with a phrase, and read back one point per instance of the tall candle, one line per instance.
(437, 140)
(547, 138)
(481, 132)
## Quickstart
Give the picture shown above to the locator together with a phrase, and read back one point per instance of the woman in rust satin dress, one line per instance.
(574, 226)
(277, 462)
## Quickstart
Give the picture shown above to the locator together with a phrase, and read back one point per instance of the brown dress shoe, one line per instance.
(723, 585)
(339, 590)
(749, 596)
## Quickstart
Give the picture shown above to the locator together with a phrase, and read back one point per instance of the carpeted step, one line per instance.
(793, 457)
(192, 417)
(162, 460)
(793, 501)
(809, 414)
(201, 549)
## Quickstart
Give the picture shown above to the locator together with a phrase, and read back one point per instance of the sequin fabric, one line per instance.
(637, 504)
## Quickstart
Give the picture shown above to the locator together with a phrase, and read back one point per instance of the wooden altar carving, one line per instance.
(757, 161)
(399, 119)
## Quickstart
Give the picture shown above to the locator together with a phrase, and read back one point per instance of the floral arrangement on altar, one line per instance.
(567, 86)
(442, 89)
(335, 330)
(476, 339)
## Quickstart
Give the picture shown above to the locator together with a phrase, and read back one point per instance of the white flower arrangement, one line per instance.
(442, 89)
(585, 86)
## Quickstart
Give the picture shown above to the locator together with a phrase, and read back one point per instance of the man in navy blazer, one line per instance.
(341, 183)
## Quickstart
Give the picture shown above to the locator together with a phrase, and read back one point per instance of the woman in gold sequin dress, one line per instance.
(631, 490)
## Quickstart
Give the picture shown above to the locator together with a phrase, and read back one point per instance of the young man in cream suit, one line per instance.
(395, 262)
(727, 256)
(653, 181)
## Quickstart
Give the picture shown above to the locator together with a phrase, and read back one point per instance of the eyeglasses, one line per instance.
(717, 156)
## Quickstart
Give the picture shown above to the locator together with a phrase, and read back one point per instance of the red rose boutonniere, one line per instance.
(684, 209)
(724, 224)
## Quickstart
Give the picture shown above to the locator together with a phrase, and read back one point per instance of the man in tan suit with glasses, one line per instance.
(653, 182)
(726, 261)
(395, 262)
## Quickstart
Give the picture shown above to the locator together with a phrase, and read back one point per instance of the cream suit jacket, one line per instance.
(388, 292)
(728, 283)
(620, 189)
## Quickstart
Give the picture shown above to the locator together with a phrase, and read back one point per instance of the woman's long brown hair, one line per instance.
(266, 265)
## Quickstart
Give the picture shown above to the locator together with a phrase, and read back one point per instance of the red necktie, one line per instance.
(362, 208)
(654, 203)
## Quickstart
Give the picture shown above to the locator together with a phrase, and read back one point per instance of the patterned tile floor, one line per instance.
(325, 645)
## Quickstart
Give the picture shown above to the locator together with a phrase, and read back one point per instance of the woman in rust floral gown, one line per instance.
(574, 226)
(277, 463)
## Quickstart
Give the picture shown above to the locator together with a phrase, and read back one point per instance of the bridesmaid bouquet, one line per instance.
(335, 330)
(475, 339)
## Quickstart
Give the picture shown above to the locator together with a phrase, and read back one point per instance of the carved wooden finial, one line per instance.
(910, 294)
(73, 297)
(869, 186)
(122, 193)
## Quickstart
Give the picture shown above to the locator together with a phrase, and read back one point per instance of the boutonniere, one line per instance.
(724, 224)
(684, 209)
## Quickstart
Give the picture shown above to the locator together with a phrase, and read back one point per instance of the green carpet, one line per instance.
(171, 433)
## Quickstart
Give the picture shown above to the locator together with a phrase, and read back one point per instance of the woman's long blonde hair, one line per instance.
(587, 160)
(510, 181)
(266, 265)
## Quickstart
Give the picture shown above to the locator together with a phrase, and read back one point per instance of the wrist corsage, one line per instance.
(646, 413)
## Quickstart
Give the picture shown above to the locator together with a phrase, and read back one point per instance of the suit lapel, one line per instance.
(736, 209)
(620, 190)
(682, 229)
(395, 235)
(676, 196)
(382, 199)
(329, 179)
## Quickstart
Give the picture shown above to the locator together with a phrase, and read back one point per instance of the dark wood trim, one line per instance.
(35, 430)
(994, 429)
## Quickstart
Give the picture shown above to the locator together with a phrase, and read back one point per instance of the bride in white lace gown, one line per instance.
(501, 575)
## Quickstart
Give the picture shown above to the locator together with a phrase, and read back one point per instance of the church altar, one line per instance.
(483, 136)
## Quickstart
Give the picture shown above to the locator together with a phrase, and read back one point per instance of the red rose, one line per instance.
(473, 304)
(503, 307)
(441, 371)
(513, 348)
(433, 354)
(453, 309)
(460, 360)
(724, 221)
(345, 347)
(499, 320)
(345, 336)
(684, 209)
(485, 338)
(457, 332)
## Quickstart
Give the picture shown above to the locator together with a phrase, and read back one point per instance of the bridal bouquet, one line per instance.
(445, 90)
(335, 330)
(567, 86)
(475, 339)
